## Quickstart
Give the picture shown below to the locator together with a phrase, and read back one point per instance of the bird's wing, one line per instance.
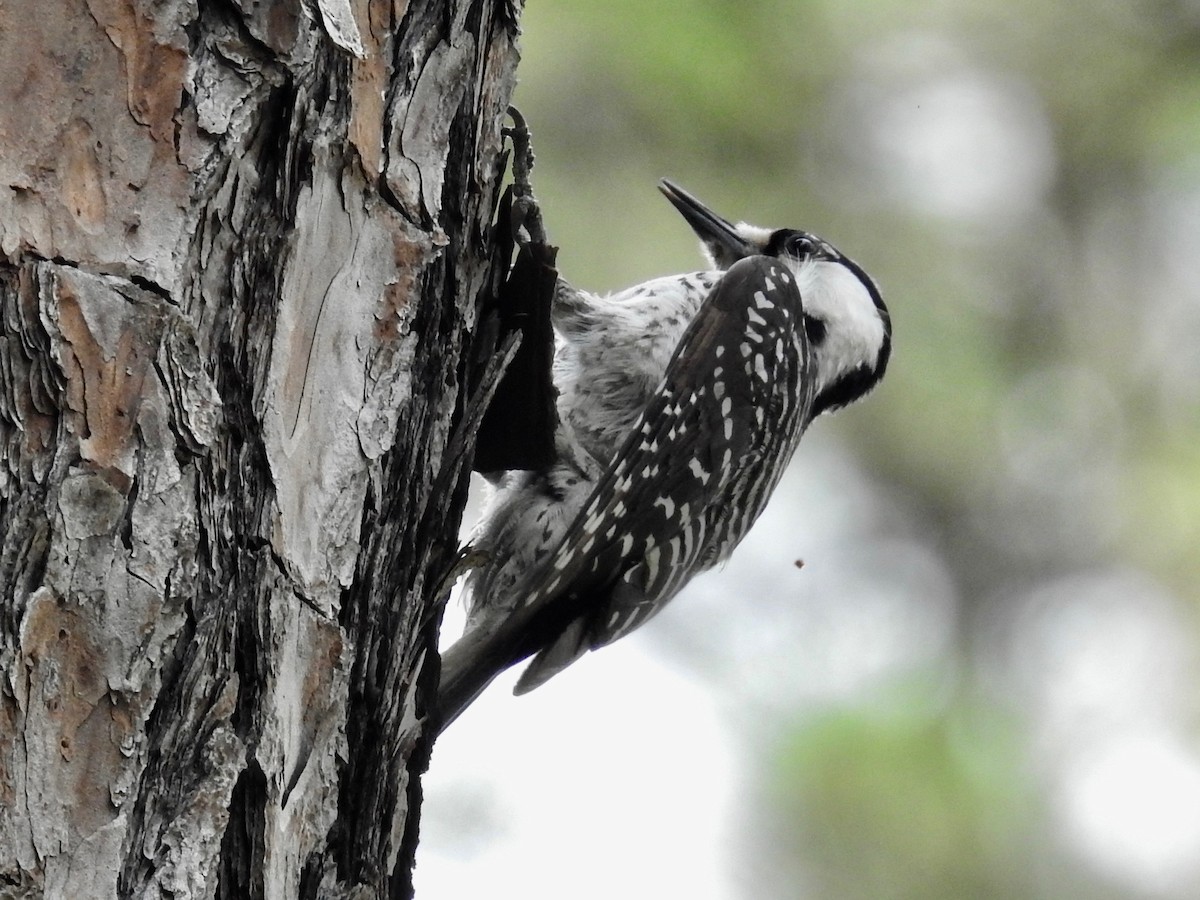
(694, 474)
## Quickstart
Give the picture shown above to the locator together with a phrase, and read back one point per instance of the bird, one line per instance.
(680, 402)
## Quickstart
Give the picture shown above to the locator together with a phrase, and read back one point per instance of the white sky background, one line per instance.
(615, 781)
(626, 775)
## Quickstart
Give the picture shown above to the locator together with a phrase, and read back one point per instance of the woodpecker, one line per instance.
(681, 401)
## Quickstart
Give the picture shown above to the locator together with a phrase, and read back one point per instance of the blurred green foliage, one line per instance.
(890, 802)
(1024, 180)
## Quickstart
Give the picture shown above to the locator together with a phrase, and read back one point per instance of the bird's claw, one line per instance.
(526, 214)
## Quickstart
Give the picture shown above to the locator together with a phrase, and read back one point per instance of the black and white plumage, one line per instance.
(681, 402)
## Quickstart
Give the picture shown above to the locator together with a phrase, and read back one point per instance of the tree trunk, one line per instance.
(241, 250)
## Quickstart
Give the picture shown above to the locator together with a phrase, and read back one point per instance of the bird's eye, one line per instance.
(801, 246)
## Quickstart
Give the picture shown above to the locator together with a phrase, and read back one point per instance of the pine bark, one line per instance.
(242, 246)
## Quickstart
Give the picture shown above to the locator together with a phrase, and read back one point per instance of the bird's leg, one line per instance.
(526, 214)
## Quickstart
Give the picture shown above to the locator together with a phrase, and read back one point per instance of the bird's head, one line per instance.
(849, 329)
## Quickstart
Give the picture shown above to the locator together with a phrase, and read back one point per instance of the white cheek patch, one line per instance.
(853, 328)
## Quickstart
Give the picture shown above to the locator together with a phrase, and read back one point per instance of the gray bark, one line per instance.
(241, 248)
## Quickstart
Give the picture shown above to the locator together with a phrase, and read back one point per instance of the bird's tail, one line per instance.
(467, 668)
(474, 660)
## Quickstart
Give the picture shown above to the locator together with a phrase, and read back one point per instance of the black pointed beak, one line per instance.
(717, 233)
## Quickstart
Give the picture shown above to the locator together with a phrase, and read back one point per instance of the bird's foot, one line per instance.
(526, 214)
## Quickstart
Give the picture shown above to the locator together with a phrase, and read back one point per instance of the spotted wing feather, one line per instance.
(696, 471)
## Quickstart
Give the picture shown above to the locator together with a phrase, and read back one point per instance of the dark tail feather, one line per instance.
(486, 650)
(474, 660)
(466, 670)
(568, 647)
